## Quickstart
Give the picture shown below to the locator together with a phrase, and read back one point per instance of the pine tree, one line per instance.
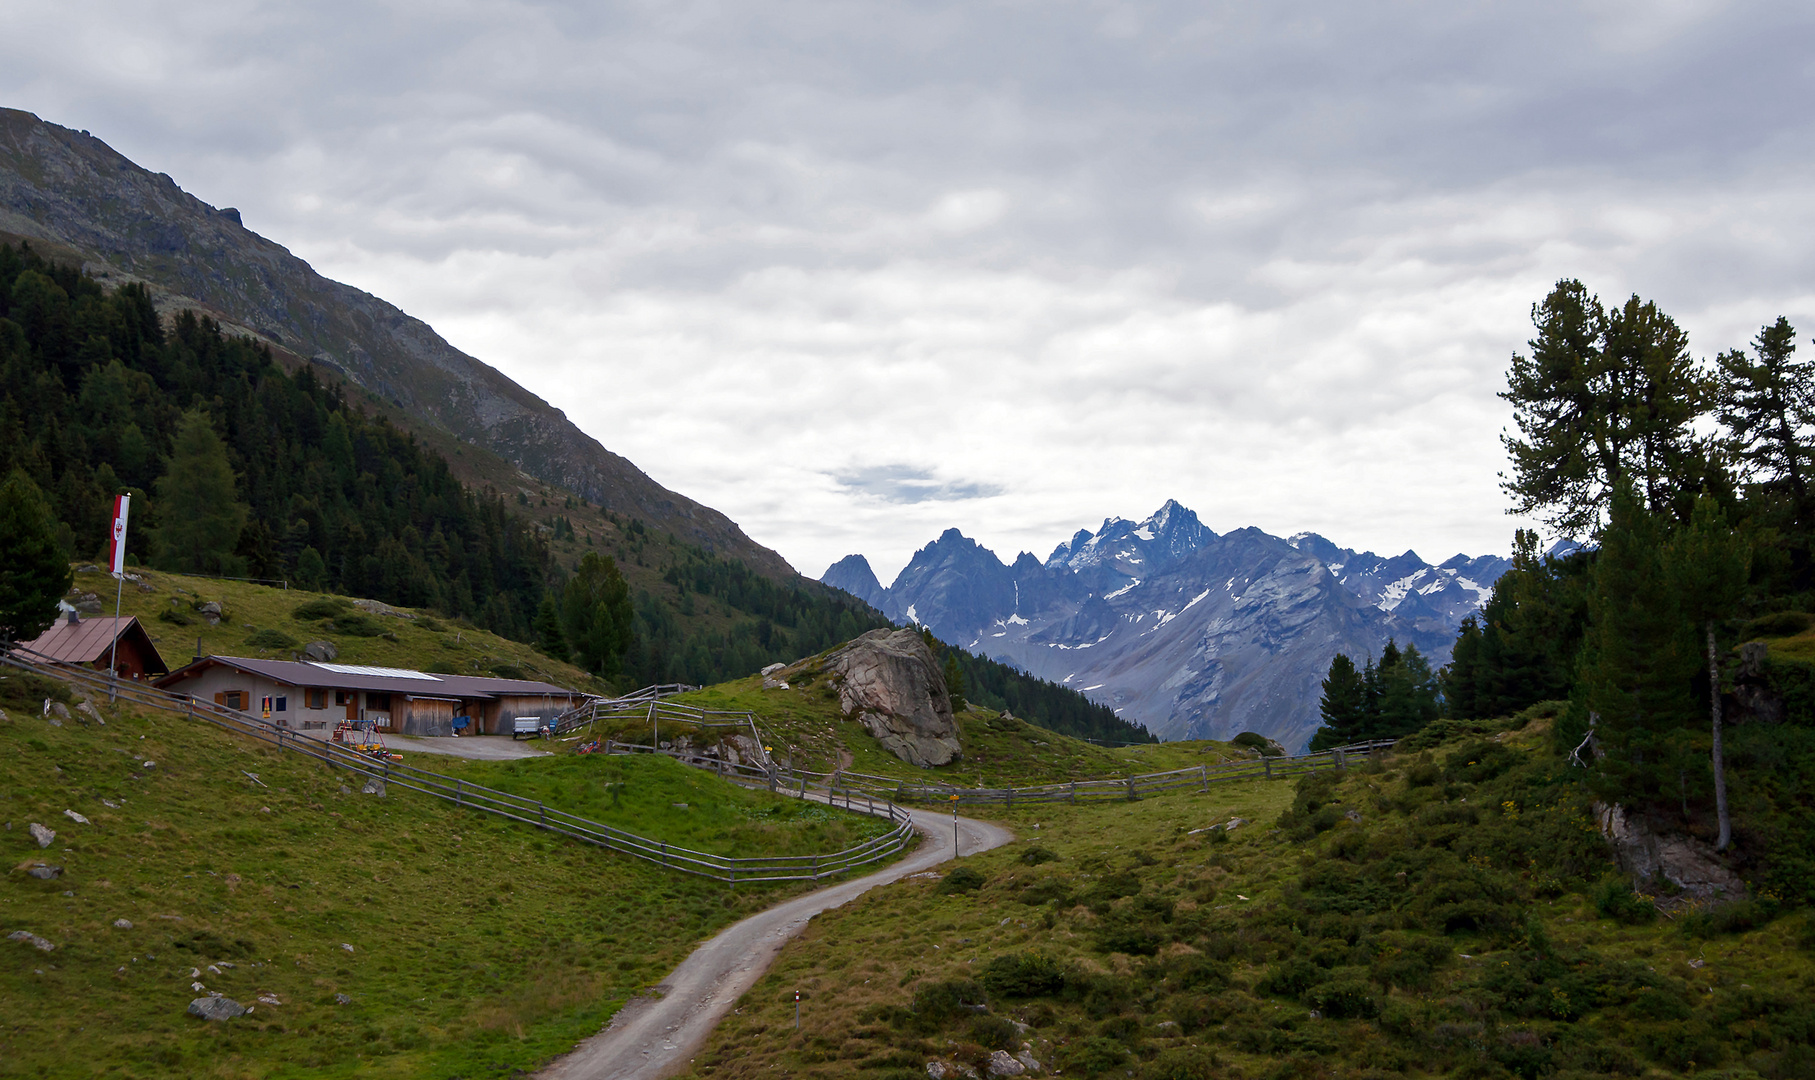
(1768, 406)
(597, 619)
(1343, 707)
(1634, 682)
(34, 571)
(549, 637)
(1706, 566)
(199, 513)
(1408, 694)
(1460, 679)
(954, 681)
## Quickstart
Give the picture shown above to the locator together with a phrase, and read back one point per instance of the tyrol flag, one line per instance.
(116, 544)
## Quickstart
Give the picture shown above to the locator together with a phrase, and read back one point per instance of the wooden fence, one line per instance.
(468, 795)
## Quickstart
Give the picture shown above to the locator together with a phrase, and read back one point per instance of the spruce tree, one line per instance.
(597, 617)
(549, 637)
(199, 513)
(1707, 565)
(1343, 707)
(954, 681)
(34, 571)
(1634, 682)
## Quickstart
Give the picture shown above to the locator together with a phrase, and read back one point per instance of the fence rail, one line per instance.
(468, 795)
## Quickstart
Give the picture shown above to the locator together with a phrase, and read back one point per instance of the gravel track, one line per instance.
(654, 1037)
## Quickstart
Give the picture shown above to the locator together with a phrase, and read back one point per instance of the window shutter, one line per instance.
(220, 698)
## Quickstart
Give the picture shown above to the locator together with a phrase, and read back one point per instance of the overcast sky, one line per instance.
(856, 273)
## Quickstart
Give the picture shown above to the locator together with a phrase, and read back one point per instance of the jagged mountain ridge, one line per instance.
(70, 189)
(1192, 634)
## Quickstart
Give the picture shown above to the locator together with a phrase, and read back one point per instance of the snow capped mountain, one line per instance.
(1193, 634)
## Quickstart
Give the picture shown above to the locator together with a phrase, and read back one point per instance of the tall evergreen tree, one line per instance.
(1460, 679)
(1767, 404)
(597, 618)
(1408, 693)
(1706, 565)
(1604, 397)
(1633, 687)
(34, 570)
(199, 513)
(547, 626)
(1344, 706)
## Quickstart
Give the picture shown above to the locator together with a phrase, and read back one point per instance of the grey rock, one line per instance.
(88, 607)
(1691, 865)
(55, 711)
(320, 651)
(75, 817)
(88, 568)
(937, 1070)
(889, 682)
(219, 1009)
(46, 872)
(3, 717)
(1002, 1063)
(772, 669)
(122, 924)
(44, 836)
(1353, 815)
(31, 939)
(373, 786)
(345, 790)
(1027, 1059)
(374, 607)
(343, 999)
(208, 607)
(83, 708)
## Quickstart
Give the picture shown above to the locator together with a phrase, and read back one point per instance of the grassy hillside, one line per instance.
(477, 947)
(1450, 912)
(804, 721)
(263, 621)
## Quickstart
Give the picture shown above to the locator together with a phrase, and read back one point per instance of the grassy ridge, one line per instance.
(1450, 912)
(479, 947)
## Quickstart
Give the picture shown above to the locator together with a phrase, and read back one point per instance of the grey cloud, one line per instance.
(907, 484)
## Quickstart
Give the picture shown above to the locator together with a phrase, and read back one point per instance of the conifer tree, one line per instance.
(1343, 707)
(199, 512)
(954, 681)
(34, 572)
(1767, 403)
(547, 626)
(1707, 565)
(596, 616)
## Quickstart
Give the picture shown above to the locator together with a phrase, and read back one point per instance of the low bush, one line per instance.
(1023, 975)
(270, 638)
(322, 607)
(1614, 899)
(1036, 855)
(357, 624)
(961, 879)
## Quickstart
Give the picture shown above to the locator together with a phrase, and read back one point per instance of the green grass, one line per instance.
(803, 724)
(1433, 915)
(480, 947)
(662, 798)
(260, 617)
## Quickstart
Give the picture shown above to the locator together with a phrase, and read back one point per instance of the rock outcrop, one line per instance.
(1685, 862)
(888, 681)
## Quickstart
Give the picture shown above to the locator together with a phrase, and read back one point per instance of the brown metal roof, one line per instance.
(87, 641)
(301, 674)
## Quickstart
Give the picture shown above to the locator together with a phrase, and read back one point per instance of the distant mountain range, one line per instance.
(1192, 634)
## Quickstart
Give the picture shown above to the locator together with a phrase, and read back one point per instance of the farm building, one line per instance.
(313, 698)
(98, 639)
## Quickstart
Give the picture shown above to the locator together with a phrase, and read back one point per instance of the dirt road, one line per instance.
(654, 1037)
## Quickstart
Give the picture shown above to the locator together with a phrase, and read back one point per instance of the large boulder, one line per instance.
(1690, 866)
(888, 681)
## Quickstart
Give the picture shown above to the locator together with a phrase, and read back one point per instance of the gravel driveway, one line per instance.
(651, 1038)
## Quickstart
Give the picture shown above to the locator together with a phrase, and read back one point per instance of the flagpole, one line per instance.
(117, 561)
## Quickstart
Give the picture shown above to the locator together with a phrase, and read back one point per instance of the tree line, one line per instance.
(1686, 482)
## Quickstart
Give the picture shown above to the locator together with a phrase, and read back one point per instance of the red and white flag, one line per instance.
(116, 545)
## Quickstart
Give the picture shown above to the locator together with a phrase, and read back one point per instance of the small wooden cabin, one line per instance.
(98, 639)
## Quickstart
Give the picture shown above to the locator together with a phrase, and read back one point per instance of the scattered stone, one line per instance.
(122, 924)
(374, 786)
(88, 568)
(345, 790)
(197, 987)
(1697, 963)
(4, 718)
(343, 999)
(42, 835)
(373, 607)
(55, 712)
(1001, 1063)
(110, 804)
(1235, 823)
(345, 946)
(31, 939)
(268, 998)
(772, 669)
(84, 708)
(90, 606)
(45, 873)
(214, 970)
(320, 651)
(216, 1008)
(211, 611)
(195, 973)
(1353, 815)
(1691, 865)
(775, 684)
(937, 1070)
(75, 817)
(1026, 1057)
(150, 765)
(679, 805)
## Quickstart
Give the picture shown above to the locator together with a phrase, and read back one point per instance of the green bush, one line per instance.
(1615, 900)
(1182, 1063)
(322, 607)
(1091, 1056)
(357, 624)
(1778, 624)
(1346, 996)
(1036, 855)
(994, 1032)
(1027, 974)
(935, 1003)
(271, 638)
(176, 616)
(961, 879)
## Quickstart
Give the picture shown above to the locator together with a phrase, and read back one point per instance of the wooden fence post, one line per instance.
(1132, 795)
(1206, 772)
(1074, 792)
(1267, 763)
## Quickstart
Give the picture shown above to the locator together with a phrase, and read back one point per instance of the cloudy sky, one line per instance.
(856, 273)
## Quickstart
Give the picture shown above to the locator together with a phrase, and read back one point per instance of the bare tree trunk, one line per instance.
(1720, 761)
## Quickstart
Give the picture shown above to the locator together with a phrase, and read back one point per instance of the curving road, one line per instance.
(651, 1038)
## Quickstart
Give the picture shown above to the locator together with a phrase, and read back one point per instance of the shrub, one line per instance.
(936, 1003)
(1290, 977)
(1779, 624)
(961, 879)
(1346, 996)
(176, 616)
(995, 1032)
(322, 607)
(357, 624)
(1252, 740)
(1036, 855)
(1028, 974)
(1091, 1056)
(1615, 900)
(1182, 1063)
(270, 638)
